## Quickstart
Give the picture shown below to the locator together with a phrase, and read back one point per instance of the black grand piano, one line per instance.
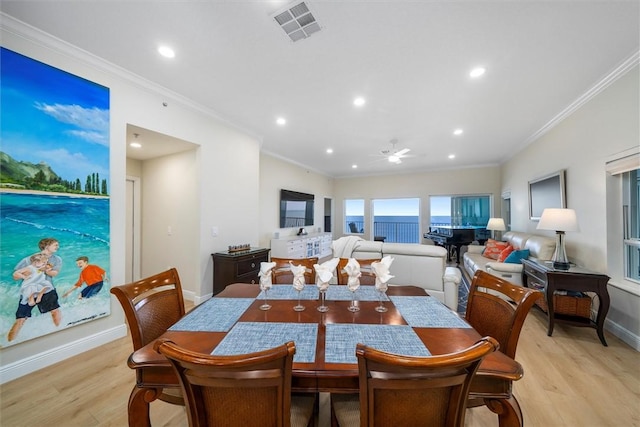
(454, 237)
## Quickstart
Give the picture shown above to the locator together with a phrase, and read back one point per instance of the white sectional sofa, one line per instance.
(413, 264)
(540, 247)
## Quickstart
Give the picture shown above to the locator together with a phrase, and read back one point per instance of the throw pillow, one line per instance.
(505, 253)
(516, 256)
(493, 249)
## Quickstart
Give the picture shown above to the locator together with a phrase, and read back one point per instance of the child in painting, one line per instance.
(34, 282)
(90, 274)
(49, 299)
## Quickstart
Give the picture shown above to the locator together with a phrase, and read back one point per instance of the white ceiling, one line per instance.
(409, 59)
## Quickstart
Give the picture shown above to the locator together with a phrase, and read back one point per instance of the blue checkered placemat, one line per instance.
(341, 340)
(309, 292)
(215, 315)
(427, 312)
(249, 337)
(364, 293)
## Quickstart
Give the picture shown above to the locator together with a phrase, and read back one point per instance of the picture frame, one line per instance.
(548, 191)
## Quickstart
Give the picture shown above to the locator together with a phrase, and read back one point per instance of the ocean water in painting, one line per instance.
(81, 225)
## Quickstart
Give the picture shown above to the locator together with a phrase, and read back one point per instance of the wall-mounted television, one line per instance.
(547, 192)
(296, 209)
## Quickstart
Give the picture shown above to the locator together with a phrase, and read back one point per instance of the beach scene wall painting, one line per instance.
(54, 200)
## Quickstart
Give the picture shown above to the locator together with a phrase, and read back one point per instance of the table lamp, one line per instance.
(559, 220)
(495, 224)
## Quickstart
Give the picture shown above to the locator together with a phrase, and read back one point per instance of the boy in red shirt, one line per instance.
(92, 275)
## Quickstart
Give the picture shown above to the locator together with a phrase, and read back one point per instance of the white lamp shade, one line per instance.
(558, 220)
(496, 224)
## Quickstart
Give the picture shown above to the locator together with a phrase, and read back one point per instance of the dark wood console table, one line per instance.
(575, 279)
(237, 267)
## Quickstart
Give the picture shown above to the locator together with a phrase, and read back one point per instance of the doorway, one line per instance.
(327, 214)
(132, 230)
(158, 155)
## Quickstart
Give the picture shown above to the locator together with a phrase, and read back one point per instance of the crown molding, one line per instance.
(623, 68)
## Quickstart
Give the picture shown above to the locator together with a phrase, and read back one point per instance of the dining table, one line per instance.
(414, 324)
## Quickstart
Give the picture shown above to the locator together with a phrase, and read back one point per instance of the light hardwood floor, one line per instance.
(570, 380)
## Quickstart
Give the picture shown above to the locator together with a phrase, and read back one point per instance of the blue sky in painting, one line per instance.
(51, 116)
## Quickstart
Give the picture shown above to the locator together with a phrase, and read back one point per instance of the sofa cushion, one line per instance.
(515, 257)
(366, 249)
(517, 239)
(413, 249)
(505, 253)
(493, 249)
(541, 247)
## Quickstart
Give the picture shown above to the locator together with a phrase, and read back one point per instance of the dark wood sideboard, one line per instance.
(237, 267)
(542, 275)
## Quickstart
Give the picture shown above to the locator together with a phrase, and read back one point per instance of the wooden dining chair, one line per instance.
(498, 308)
(281, 273)
(367, 278)
(410, 391)
(241, 390)
(151, 305)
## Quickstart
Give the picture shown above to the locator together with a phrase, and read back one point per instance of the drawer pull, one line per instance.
(253, 264)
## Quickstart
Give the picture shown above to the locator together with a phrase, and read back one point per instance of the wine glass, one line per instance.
(322, 287)
(353, 284)
(265, 288)
(381, 288)
(298, 286)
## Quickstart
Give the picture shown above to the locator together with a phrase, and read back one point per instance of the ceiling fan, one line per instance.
(394, 155)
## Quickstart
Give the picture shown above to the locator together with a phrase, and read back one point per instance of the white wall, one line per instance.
(170, 217)
(277, 174)
(581, 143)
(227, 185)
(484, 180)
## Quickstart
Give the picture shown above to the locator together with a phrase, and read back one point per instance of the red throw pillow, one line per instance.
(493, 248)
(505, 253)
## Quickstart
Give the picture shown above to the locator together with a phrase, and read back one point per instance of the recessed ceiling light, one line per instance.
(281, 121)
(359, 101)
(452, 156)
(166, 51)
(458, 132)
(477, 72)
(329, 150)
(136, 142)
(354, 166)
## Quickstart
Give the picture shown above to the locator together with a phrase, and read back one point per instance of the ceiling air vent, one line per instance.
(297, 21)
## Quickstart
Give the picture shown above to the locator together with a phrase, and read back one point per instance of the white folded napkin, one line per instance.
(298, 276)
(265, 275)
(381, 270)
(324, 273)
(353, 272)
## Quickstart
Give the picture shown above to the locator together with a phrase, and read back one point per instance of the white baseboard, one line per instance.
(624, 334)
(42, 360)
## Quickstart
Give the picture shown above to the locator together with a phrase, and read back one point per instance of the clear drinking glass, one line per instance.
(382, 289)
(299, 307)
(322, 307)
(265, 304)
(353, 307)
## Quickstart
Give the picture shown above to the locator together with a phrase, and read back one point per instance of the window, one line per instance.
(457, 211)
(623, 217)
(396, 220)
(461, 211)
(354, 216)
(631, 223)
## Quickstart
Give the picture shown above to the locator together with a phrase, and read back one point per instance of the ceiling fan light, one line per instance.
(394, 159)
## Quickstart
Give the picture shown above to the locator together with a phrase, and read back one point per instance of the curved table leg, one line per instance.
(139, 405)
(508, 410)
(602, 314)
